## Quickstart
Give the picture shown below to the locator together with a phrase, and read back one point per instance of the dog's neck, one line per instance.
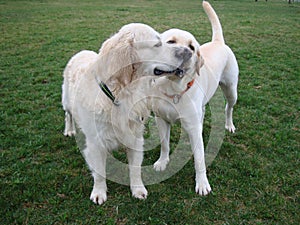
(134, 102)
(174, 87)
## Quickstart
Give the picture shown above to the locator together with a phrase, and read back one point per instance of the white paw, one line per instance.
(230, 127)
(98, 196)
(202, 185)
(139, 192)
(161, 165)
(69, 133)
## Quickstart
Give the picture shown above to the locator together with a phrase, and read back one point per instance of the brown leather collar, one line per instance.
(176, 97)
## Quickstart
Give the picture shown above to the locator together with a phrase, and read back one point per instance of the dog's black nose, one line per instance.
(183, 53)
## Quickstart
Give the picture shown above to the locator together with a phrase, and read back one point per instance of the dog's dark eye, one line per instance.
(171, 42)
(192, 47)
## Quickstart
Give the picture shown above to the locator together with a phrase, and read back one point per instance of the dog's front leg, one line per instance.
(96, 160)
(202, 184)
(164, 134)
(135, 159)
(196, 140)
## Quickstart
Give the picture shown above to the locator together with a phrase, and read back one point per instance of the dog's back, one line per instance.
(74, 74)
(75, 70)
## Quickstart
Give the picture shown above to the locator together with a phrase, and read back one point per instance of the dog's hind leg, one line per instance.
(70, 129)
(228, 84)
(69, 121)
(164, 134)
(96, 160)
(231, 97)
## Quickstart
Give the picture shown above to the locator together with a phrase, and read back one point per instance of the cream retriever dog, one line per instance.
(97, 86)
(188, 96)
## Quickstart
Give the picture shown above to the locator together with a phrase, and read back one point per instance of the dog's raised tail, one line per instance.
(217, 32)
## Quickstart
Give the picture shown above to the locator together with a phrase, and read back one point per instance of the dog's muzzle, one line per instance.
(183, 53)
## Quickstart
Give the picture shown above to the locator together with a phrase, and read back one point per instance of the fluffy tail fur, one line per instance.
(217, 33)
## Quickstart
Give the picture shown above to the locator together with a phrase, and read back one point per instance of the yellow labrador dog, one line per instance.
(95, 87)
(216, 65)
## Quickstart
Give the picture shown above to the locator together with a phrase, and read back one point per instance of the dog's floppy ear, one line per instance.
(200, 62)
(116, 60)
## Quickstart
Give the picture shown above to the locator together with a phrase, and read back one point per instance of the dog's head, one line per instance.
(184, 39)
(138, 50)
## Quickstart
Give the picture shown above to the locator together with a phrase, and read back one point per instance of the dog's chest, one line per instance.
(166, 110)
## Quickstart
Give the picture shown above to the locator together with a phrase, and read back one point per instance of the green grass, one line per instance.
(44, 179)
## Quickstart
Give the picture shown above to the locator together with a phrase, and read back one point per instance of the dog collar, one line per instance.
(176, 97)
(108, 93)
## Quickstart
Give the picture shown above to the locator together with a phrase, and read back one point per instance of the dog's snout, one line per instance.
(183, 53)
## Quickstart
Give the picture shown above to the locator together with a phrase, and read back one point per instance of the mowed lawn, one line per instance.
(43, 177)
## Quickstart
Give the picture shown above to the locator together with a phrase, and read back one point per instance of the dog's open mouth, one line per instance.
(178, 72)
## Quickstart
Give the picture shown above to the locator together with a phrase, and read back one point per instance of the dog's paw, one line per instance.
(69, 133)
(98, 196)
(139, 192)
(161, 165)
(202, 185)
(230, 127)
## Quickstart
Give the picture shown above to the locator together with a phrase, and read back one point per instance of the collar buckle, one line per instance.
(176, 98)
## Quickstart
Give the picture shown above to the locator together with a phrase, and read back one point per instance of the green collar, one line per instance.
(108, 93)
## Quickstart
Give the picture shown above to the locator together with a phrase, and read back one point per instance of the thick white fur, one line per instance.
(123, 59)
(220, 67)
